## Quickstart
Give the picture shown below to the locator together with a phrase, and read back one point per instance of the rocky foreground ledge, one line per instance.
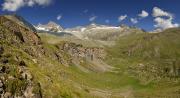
(16, 36)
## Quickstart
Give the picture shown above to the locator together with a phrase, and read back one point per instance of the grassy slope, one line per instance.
(53, 77)
(160, 49)
(105, 81)
(102, 80)
(53, 39)
(144, 48)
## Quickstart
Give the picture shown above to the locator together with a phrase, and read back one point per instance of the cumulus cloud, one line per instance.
(14, 5)
(163, 19)
(59, 17)
(143, 14)
(121, 18)
(157, 12)
(134, 20)
(162, 23)
(93, 18)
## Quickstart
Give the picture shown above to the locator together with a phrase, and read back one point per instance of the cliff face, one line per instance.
(78, 51)
(86, 58)
(16, 80)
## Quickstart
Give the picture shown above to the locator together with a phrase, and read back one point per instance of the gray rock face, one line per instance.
(85, 58)
(87, 53)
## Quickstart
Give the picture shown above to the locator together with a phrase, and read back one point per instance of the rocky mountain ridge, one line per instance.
(100, 32)
(49, 27)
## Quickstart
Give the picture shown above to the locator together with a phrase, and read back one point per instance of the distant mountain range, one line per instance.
(90, 32)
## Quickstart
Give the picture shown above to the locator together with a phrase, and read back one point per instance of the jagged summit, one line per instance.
(49, 27)
(51, 24)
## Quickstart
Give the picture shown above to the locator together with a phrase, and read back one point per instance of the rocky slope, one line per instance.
(15, 78)
(86, 58)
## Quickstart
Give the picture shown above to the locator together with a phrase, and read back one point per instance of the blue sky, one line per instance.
(78, 12)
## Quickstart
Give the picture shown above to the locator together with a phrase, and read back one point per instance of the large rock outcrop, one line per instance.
(86, 58)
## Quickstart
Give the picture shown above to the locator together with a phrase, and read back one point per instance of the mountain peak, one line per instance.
(52, 24)
(50, 27)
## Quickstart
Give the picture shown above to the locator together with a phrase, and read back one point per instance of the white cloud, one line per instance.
(93, 18)
(143, 14)
(42, 2)
(162, 23)
(30, 3)
(134, 20)
(59, 17)
(157, 12)
(14, 5)
(163, 19)
(121, 18)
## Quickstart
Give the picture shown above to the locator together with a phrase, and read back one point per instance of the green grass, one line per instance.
(145, 48)
(58, 81)
(102, 80)
(161, 49)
